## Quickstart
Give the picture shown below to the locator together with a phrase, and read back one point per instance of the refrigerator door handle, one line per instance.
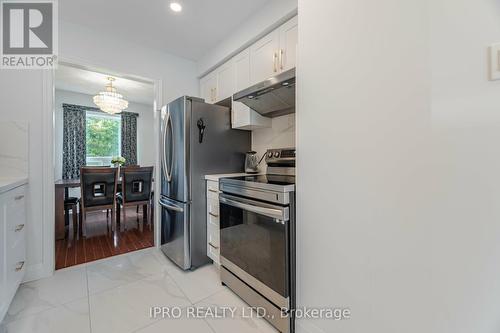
(163, 153)
(168, 171)
(170, 206)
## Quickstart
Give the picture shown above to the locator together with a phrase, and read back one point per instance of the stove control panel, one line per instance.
(280, 156)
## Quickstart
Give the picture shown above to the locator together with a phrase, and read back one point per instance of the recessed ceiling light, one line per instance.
(175, 6)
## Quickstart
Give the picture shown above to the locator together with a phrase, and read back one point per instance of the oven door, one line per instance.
(254, 242)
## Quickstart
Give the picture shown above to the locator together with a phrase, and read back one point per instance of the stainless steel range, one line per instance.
(257, 237)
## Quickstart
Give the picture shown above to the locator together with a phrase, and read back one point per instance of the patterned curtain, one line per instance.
(129, 137)
(74, 140)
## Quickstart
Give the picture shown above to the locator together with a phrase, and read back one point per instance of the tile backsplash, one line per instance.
(14, 148)
(280, 135)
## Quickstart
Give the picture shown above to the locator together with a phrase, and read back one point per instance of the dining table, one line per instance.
(62, 187)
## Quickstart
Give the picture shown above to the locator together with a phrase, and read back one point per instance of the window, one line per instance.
(103, 138)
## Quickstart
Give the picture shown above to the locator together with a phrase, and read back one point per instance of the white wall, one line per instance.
(466, 128)
(400, 221)
(363, 120)
(22, 100)
(14, 149)
(256, 26)
(281, 134)
(145, 127)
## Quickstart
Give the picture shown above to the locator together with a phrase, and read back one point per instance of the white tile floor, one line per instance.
(115, 295)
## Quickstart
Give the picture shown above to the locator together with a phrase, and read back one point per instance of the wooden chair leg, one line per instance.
(113, 220)
(84, 223)
(74, 222)
(80, 220)
(124, 226)
(78, 223)
(66, 216)
(150, 217)
(70, 228)
(118, 215)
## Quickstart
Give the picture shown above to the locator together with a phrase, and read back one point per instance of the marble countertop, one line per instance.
(8, 183)
(225, 175)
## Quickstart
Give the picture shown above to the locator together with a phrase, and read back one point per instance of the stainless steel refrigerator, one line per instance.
(196, 140)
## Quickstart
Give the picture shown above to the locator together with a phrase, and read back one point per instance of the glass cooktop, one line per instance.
(268, 179)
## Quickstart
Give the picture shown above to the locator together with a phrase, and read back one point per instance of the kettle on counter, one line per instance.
(251, 162)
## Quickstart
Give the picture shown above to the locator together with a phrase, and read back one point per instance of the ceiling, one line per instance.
(90, 83)
(200, 26)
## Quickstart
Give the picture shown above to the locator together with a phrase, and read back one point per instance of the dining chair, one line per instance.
(137, 184)
(98, 187)
(71, 203)
(119, 186)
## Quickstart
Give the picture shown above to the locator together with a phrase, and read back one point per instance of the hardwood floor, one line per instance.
(100, 244)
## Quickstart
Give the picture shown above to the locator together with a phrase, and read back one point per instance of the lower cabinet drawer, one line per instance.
(15, 265)
(213, 243)
(16, 235)
(213, 207)
(212, 190)
(15, 214)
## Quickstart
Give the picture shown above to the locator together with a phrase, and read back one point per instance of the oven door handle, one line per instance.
(278, 213)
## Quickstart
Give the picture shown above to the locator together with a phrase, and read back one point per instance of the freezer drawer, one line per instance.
(175, 231)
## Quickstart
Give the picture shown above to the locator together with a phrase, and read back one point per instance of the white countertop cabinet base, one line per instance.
(213, 225)
(13, 244)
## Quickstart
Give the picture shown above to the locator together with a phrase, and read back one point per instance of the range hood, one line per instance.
(273, 97)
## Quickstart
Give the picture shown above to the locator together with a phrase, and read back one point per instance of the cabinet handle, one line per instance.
(281, 58)
(19, 266)
(19, 228)
(19, 197)
(213, 191)
(215, 94)
(212, 214)
(212, 245)
(275, 57)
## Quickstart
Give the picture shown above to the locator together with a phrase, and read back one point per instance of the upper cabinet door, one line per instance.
(288, 44)
(242, 70)
(225, 81)
(208, 88)
(264, 57)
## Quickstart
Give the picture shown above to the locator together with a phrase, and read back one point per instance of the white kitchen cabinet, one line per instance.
(242, 70)
(242, 117)
(274, 53)
(213, 223)
(225, 81)
(288, 44)
(264, 57)
(13, 244)
(219, 84)
(208, 88)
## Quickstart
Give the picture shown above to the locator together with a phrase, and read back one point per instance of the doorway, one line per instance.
(90, 136)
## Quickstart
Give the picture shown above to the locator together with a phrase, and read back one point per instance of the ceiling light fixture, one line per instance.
(110, 101)
(176, 7)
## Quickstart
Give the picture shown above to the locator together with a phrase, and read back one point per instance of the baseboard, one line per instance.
(36, 272)
(303, 326)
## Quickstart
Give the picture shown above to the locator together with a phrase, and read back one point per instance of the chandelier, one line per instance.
(110, 101)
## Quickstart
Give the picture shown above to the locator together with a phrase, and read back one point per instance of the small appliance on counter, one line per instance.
(257, 237)
(251, 162)
(196, 139)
